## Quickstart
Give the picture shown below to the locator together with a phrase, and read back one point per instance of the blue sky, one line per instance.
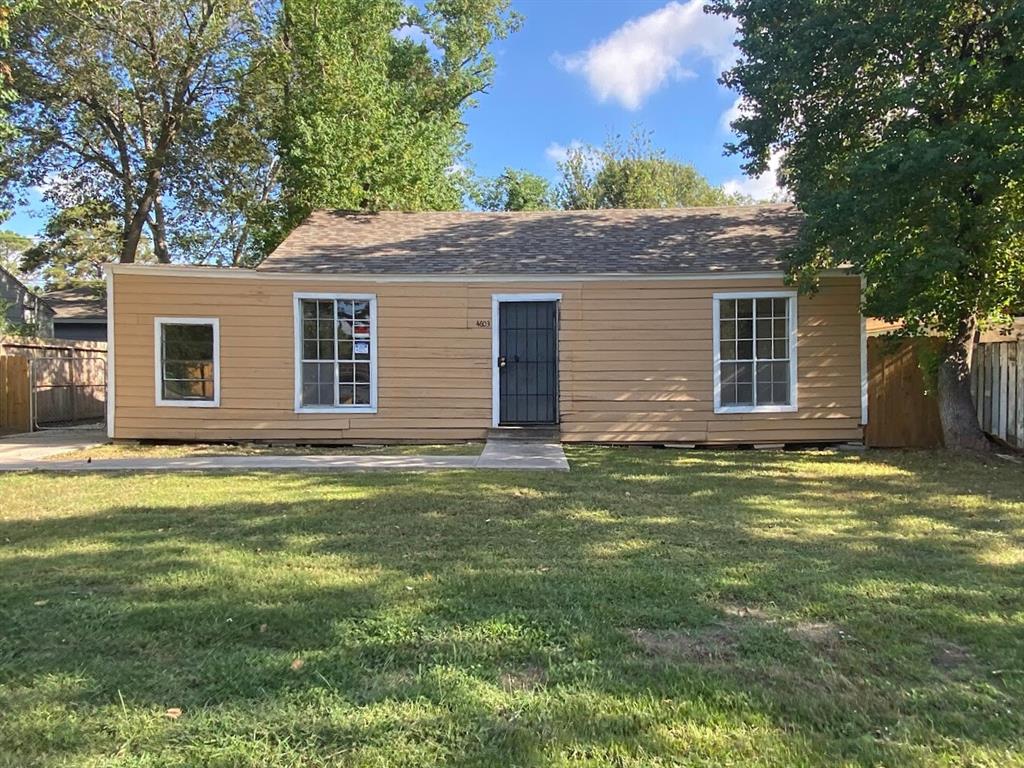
(581, 70)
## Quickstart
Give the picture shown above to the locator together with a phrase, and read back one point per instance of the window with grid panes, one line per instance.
(337, 366)
(187, 372)
(754, 348)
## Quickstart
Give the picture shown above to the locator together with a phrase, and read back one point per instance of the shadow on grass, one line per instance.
(792, 608)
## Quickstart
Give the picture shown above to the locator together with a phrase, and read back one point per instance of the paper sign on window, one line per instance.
(362, 347)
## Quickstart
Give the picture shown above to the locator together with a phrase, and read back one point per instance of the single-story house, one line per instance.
(23, 308)
(620, 326)
(79, 314)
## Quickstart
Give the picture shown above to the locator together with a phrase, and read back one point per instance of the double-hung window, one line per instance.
(336, 352)
(187, 355)
(755, 352)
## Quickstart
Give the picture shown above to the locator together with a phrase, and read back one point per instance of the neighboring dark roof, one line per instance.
(668, 240)
(83, 303)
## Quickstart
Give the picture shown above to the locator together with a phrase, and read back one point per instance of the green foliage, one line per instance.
(116, 102)
(515, 190)
(216, 125)
(903, 132)
(12, 246)
(76, 244)
(371, 99)
(8, 10)
(632, 174)
(11, 328)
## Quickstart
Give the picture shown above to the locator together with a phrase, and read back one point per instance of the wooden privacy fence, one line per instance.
(901, 414)
(997, 384)
(15, 411)
(63, 383)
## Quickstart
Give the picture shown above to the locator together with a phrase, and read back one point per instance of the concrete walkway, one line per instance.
(32, 446)
(522, 454)
(503, 454)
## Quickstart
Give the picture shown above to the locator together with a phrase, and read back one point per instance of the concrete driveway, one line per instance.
(48, 442)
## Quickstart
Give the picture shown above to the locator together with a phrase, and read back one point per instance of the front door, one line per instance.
(528, 362)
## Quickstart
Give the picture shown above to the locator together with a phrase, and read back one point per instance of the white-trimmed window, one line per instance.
(755, 352)
(336, 352)
(187, 355)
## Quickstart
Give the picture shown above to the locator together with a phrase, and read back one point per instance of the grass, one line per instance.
(186, 450)
(650, 608)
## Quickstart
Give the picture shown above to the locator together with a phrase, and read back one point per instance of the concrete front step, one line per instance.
(526, 434)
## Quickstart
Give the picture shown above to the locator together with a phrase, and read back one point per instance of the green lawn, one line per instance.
(649, 608)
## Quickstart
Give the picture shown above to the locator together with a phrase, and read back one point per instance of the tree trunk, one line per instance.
(160, 232)
(960, 428)
(133, 232)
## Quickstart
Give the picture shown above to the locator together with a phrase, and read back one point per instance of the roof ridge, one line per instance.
(559, 211)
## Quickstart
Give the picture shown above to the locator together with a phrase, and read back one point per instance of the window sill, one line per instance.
(338, 409)
(188, 403)
(756, 409)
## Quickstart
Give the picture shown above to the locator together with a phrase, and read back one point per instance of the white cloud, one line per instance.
(410, 32)
(559, 153)
(732, 113)
(645, 53)
(51, 181)
(763, 187)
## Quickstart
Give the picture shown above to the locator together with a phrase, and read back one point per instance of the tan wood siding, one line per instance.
(635, 361)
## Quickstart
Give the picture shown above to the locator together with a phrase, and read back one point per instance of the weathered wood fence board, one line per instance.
(997, 384)
(15, 394)
(901, 414)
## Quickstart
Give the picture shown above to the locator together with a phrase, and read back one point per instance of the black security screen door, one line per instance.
(528, 362)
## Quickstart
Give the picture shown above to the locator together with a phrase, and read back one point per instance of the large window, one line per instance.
(336, 352)
(755, 352)
(187, 353)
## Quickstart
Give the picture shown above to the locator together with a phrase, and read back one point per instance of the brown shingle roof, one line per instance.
(83, 303)
(670, 240)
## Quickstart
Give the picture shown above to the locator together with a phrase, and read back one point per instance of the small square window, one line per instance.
(187, 361)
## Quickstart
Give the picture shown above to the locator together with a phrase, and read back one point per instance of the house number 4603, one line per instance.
(483, 323)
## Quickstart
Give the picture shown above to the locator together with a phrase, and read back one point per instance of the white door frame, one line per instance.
(496, 299)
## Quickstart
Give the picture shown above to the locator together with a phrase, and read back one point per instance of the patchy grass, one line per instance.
(188, 450)
(650, 608)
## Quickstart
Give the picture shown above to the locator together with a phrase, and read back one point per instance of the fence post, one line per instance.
(74, 390)
(979, 370)
(1004, 389)
(1020, 393)
(15, 398)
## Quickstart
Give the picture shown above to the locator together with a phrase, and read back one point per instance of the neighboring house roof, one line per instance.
(14, 280)
(83, 303)
(12, 289)
(608, 241)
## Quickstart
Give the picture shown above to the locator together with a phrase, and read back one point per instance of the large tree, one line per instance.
(632, 174)
(108, 94)
(372, 96)
(216, 125)
(76, 244)
(902, 128)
